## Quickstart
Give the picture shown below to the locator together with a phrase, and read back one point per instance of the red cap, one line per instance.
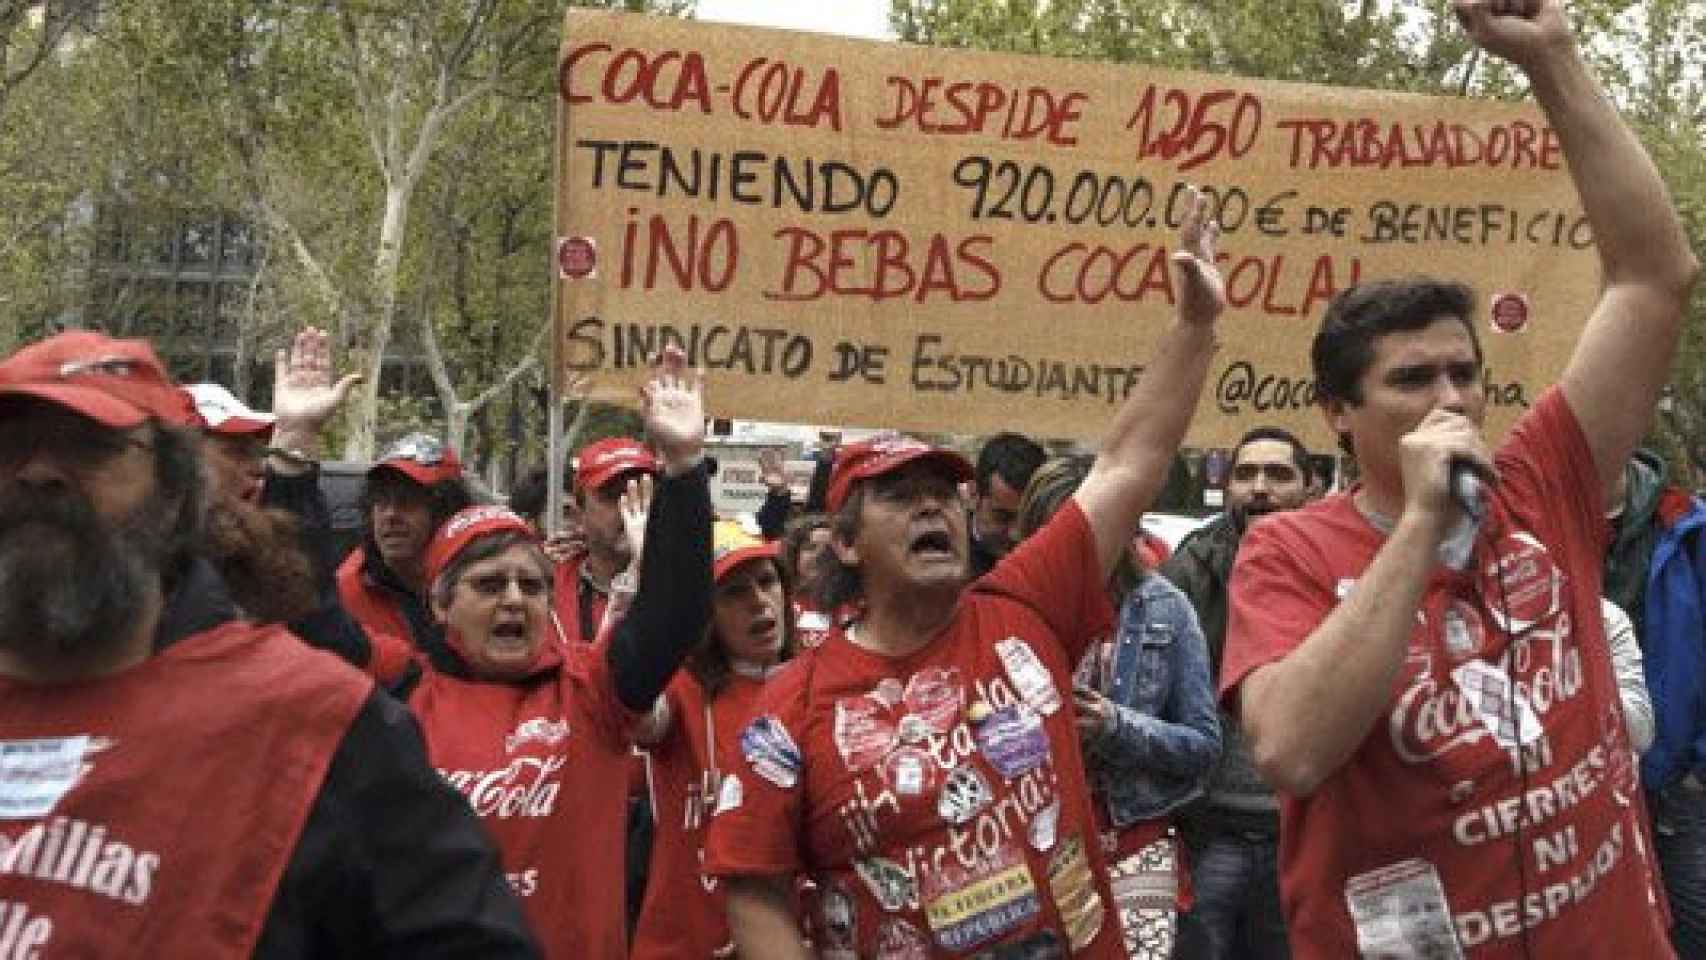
(422, 458)
(879, 455)
(117, 383)
(598, 463)
(222, 413)
(464, 528)
(733, 545)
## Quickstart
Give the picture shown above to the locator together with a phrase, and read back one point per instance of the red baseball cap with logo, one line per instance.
(117, 383)
(467, 526)
(598, 463)
(879, 455)
(422, 458)
(222, 413)
(732, 545)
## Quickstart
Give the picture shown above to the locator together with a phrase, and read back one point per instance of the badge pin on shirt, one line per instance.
(771, 752)
(964, 793)
(889, 885)
(1029, 675)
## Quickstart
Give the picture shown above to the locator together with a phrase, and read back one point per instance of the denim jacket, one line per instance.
(1162, 740)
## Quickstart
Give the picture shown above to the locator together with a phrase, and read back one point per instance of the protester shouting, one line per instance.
(923, 765)
(1422, 670)
(534, 729)
(691, 739)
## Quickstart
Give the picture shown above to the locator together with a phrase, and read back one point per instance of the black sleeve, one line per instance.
(672, 604)
(818, 492)
(329, 627)
(391, 862)
(773, 514)
(301, 495)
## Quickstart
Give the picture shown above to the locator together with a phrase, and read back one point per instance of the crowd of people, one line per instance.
(944, 708)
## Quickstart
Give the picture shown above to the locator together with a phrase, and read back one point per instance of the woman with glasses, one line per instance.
(537, 733)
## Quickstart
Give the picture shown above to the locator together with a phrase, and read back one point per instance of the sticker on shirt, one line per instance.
(899, 940)
(964, 793)
(1029, 676)
(729, 795)
(1041, 831)
(969, 908)
(910, 772)
(1075, 895)
(933, 699)
(1465, 631)
(889, 884)
(1012, 739)
(839, 911)
(36, 774)
(1521, 584)
(1502, 707)
(1400, 913)
(771, 752)
(864, 731)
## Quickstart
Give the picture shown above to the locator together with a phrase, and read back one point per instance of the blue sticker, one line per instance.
(1012, 739)
(770, 751)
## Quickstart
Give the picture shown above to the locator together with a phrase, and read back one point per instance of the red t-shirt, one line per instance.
(1416, 839)
(152, 812)
(938, 799)
(544, 765)
(683, 914)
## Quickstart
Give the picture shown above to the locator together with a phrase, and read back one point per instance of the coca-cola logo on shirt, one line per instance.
(526, 787)
(1433, 717)
(1522, 585)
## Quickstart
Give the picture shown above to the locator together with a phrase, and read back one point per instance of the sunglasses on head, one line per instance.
(424, 450)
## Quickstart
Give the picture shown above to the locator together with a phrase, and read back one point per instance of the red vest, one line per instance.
(566, 587)
(542, 762)
(387, 629)
(152, 812)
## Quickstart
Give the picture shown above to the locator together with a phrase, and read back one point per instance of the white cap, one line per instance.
(221, 412)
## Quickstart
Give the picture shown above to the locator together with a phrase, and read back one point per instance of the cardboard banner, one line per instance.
(874, 234)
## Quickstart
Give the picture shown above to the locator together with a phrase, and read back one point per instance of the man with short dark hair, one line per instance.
(175, 781)
(1232, 832)
(923, 764)
(416, 485)
(1421, 667)
(586, 581)
(1004, 466)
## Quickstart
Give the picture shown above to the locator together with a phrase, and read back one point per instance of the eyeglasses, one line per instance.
(496, 584)
(71, 440)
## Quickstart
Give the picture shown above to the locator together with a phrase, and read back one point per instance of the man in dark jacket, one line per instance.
(1004, 467)
(1233, 831)
(416, 485)
(175, 781)
(1656, 571)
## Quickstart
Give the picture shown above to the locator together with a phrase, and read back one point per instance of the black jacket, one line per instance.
(390, 862)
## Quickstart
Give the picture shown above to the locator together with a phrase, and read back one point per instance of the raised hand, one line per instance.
(1521, 31)
(636, 506)
(304, 396)
(673, 405)
(770, 470)
(1202, 292)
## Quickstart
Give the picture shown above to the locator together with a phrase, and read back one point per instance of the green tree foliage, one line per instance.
(1649, 55)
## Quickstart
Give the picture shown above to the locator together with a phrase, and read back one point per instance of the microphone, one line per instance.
(1466, 487)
